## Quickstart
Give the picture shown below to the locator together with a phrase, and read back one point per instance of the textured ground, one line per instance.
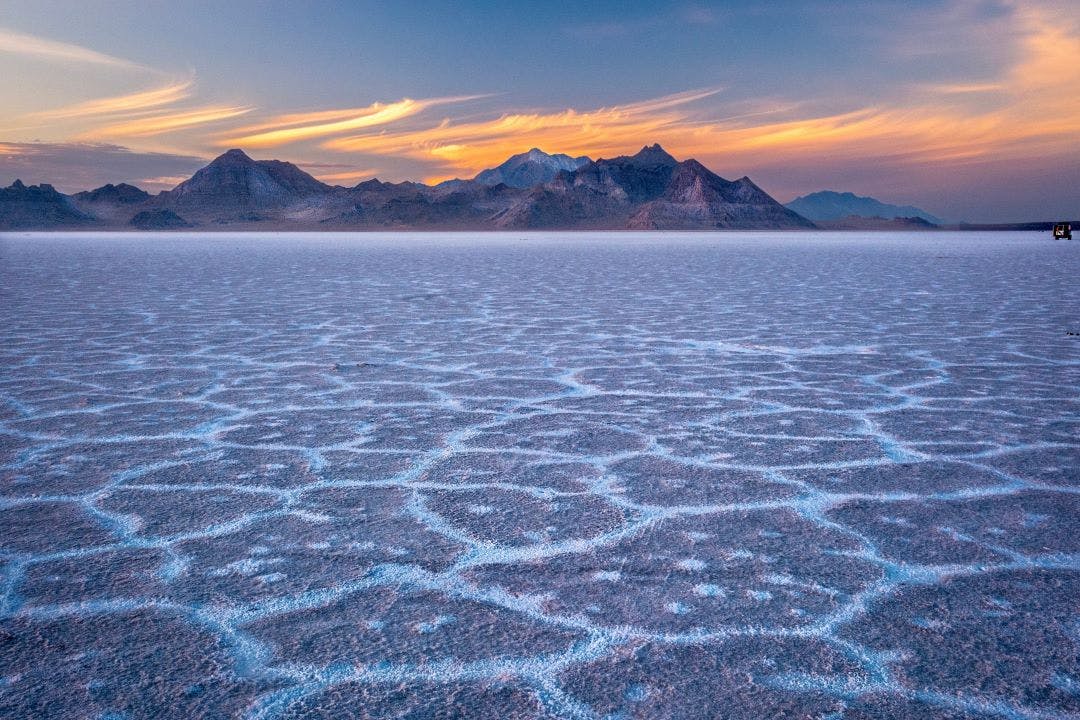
(716, 476)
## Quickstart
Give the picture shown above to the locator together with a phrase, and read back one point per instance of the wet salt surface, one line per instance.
(752, 476)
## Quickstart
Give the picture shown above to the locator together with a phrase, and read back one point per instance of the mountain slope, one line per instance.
(529, 168)
(831, 205)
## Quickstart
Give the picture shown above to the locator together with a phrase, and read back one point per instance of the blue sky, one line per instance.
(965, 107)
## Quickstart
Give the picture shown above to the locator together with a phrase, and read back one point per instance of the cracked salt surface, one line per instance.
(806, 475)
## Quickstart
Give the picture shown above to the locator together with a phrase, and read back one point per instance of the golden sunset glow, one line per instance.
(1034, 108)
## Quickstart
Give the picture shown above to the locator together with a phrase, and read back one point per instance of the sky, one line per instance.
(969, 109)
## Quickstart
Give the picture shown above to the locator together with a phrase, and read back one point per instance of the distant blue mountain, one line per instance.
(829, 205)
(530, 168)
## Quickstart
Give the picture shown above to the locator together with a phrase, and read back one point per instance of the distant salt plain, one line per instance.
(741, 475)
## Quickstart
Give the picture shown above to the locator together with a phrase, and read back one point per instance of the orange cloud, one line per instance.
(295, 127)
(964, 88)
(352, 176)
(166, 95)
(163, 123)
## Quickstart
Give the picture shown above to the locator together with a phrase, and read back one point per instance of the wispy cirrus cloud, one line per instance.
(296, 127)
(159, 124)
(114, 118)
(169, 94)
(61, 52)
(350, 176)
(963, 88)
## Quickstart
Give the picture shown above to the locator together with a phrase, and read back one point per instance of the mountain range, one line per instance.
(649, 191)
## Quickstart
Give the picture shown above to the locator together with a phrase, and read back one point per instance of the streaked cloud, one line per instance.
(963, 88)
(161, 123)
(285, 129)
(60, 52)
(168, 94)
(114, 118)
(350, 177)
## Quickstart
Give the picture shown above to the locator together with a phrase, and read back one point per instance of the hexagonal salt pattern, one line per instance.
(738, 476)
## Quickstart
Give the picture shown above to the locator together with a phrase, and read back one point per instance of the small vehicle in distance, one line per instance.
(1062, 231)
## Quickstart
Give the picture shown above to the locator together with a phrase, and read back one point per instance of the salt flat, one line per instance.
(517, 476)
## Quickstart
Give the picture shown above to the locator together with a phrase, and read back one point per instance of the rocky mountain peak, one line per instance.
(234, 155)
(235, 181)
(529, 168)
(654, 155)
